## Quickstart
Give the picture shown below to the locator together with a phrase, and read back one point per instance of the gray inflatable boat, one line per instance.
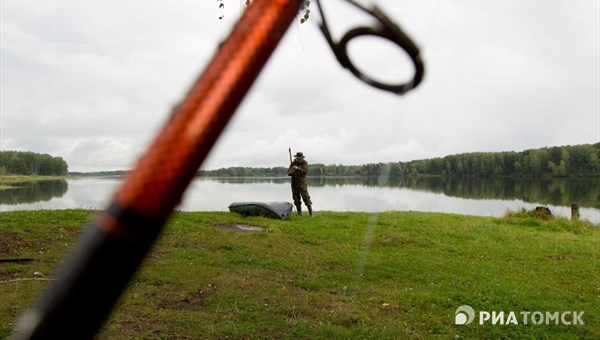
(278, 210)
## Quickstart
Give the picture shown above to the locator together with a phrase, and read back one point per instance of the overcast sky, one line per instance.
(92, 81)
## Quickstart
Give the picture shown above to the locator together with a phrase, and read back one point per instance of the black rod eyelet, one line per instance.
(401, 40)
(386, 29)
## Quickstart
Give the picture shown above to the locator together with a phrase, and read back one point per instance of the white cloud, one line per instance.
(93, 81)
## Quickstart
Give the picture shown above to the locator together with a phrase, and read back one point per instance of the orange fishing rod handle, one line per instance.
(155, 186)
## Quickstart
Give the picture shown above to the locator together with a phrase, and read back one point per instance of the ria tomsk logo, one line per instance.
(464, 315)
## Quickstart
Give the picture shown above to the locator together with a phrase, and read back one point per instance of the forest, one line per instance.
(31, 163)
(558, 161)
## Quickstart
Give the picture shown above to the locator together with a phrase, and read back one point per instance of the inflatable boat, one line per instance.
(279, 210)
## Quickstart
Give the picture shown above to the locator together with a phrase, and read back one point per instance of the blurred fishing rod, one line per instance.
(117, 240)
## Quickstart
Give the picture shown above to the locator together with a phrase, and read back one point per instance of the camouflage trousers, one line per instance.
(300, 190)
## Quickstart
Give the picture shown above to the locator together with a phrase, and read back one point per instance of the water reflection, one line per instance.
(491, 197)
(31, 192)
(551, 191)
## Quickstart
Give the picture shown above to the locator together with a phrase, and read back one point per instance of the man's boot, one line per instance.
(310, 210)
(299, 208)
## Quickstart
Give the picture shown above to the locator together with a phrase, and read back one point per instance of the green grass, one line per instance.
(338, 275)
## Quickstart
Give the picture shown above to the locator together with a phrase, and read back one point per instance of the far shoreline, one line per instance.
(8, 181)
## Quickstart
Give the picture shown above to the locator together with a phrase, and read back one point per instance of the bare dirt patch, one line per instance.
(192, 301)
(11, 244)
(238, 227)
(22, 253)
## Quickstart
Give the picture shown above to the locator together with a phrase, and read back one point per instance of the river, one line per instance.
(489, 197)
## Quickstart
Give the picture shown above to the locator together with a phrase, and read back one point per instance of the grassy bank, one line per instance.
(338, 275)
(11, 181)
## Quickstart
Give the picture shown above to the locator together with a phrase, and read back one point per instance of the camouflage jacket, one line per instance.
(298, 170)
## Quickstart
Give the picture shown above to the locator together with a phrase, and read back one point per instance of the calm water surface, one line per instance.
(461, 196)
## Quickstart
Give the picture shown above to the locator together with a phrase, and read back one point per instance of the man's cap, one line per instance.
(299, 154)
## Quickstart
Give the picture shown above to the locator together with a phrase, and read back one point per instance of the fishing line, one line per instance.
(382, 180)
(365, 249)
(299, 36)
(385, 174)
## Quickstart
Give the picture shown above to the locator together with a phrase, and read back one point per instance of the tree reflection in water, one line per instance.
(32, 192)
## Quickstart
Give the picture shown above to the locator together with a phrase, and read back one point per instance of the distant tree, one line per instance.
(31, 163)
(594, 161)
(17, 165)
(578, 160)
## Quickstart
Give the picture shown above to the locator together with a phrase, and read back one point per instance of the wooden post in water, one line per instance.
(574, 212)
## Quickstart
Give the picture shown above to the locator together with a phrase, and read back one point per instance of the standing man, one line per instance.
(298, 170)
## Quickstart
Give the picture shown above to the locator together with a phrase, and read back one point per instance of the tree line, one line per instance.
(31, 163)
(559, 161)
